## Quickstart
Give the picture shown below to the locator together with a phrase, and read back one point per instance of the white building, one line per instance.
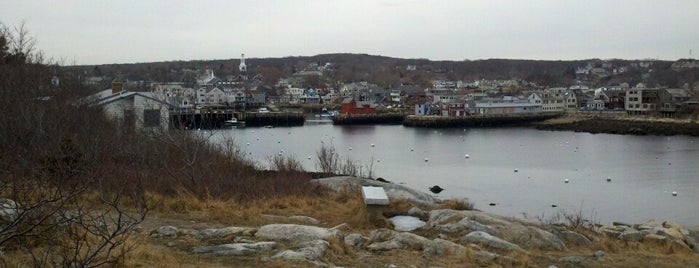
(142, 110)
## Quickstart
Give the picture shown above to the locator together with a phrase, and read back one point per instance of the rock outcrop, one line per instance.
(295, 233)
(521, 232)
(394, 191)
(654, 233)
(237, 249)
(385, 239)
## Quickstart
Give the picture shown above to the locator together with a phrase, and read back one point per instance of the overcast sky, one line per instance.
(115, 31)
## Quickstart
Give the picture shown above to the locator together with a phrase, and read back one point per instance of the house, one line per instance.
(137, 110)
(511, 106)
(642, 101)
(550, 100)
(361, 91)
(255, 98)
(423, 108)
(310, 95)
(673, 100)
(571, 101)
(292, 95)
(351, 106)
(453, 109)
(214, 97)
(615, 99)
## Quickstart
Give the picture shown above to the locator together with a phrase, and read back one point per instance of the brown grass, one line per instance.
(456, 204)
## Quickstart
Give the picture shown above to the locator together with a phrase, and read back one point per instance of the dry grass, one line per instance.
(456, 204)
(330, 209)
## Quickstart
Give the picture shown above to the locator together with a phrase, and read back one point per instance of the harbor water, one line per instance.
(519, 172)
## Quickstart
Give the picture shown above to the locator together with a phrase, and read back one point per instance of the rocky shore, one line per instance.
(446, 237)
(622, 125)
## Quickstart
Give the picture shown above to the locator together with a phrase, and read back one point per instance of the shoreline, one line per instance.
(620, 124)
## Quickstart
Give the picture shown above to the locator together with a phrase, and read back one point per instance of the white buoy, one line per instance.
(674, 193)
(280, 154)
(372, 145)
(516, 170)
(412, 149)
(248, 144)
(309, 157)
(566, 180)
(467, 156)
(350, 148)
(426, 159)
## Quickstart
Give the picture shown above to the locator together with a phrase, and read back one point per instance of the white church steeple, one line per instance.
(242, 68)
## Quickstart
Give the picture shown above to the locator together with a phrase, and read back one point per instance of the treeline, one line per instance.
(391, 72)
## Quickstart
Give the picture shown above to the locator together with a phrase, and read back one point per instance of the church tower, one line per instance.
(242, 68)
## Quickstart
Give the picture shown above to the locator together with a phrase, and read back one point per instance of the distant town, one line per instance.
(591, 89)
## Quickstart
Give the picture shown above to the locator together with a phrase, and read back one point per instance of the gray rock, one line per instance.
(599, 255)
(309, 251)
(355, 240)
(654, 239)
(384, 239)
(397, 240)
(485, 255)
(9, 210)
(165, 231)
(222, 232)
(573, 259)
(294, 218)
(631, 236)
(642, 227)
(417, 212)
(517, 231)
(575, 238)
(294, 233)
(486, 239)
(672, 225)
(616, 223)
(394, 191)
(237, 249)
(671, 233)
(440, 246)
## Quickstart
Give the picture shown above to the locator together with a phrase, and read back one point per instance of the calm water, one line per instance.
(645, 170)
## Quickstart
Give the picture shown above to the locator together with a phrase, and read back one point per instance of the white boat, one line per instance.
(233, 122)
(326, 115)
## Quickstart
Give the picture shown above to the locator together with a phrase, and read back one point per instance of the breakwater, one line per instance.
(369, 119)
(272, 119)
(476, 120)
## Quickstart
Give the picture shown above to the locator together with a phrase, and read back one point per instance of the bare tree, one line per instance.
(58, 201)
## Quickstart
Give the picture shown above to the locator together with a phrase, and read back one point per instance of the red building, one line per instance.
(453, 109)
(350, 106)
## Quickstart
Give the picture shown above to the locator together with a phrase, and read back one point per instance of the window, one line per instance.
(151, 118)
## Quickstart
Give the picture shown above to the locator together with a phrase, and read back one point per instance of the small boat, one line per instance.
(233, 122)
(325, 115)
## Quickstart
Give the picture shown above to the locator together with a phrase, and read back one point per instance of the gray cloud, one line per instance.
(96, 32)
